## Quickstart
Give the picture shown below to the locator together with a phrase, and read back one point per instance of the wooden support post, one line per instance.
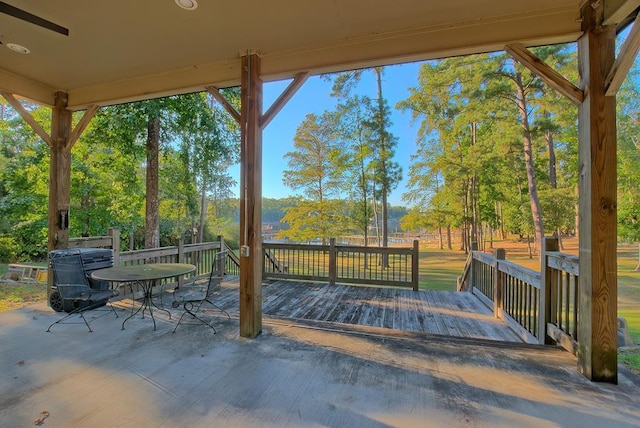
(546, 283)
(114, 233)
(498, 286)
(251, 199)
(597, 288)
(59, 178)
(472, 281)
(223, 256)
(415, 265)
(333, 261)
(180, 245)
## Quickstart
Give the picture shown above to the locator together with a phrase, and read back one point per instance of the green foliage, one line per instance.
(8, 249)
(31, 238)
(469, 167)
(371, 144)
(311, 220)
(414, 221)
(199, 142)
(317, 163)
(628, 126)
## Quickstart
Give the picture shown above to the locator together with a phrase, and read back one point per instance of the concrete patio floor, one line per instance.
(296, 374)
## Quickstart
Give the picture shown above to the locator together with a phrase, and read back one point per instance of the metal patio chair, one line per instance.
(194, 296)
(76, 297)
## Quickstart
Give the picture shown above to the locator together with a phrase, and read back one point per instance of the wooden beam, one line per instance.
(27, 117)
(59, 178)
(251, 199)
(615, 11)
(82, 125)
(215, 92)
(624, 61)
(284, 97)
(546, 73)
(597, 284)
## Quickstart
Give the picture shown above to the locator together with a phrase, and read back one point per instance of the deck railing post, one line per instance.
(333, 261)
(180, 250)
(546, 279)
(498, 285)
(415, 265)
(222, 261)
(472, 273)
(114, 234)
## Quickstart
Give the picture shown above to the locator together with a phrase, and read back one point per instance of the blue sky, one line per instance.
(314, 97)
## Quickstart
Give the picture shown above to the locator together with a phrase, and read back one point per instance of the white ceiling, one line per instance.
(125, 50)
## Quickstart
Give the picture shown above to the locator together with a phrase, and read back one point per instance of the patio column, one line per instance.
(597, 288)
(59, 174)
(59, 178)
(251, 198)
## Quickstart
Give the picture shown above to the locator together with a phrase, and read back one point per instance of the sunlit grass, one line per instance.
(14, 295)
(629, 289)
(630, 358)
(439, 269)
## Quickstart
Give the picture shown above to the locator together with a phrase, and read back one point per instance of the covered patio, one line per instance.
(296, 374)
(119, 51)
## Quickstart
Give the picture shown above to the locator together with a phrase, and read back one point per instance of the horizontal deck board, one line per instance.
(426, 311)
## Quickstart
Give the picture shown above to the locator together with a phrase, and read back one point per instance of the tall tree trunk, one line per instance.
(473, 196)
(441, 238)
(548, 138)
(132, 237)
(503, 232)
(203, 212)
(365, 202)
(375, 218)
(449, 246)
(152, 217)
(490, 236)
(553, 175)
(383, 172)
(528, 158)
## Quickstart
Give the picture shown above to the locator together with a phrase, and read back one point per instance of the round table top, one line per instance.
(145, 272)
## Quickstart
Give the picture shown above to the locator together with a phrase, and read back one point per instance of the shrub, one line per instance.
(8, 249)
(31, 239)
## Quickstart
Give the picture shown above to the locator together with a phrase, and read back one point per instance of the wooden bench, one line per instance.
(26, 273)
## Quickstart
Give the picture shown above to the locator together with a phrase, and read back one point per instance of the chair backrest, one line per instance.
(217, 272)
(68, 269)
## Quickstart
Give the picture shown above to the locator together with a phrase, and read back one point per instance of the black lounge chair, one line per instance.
(74, 293)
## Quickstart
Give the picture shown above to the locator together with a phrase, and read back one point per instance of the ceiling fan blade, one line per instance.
(33, 19)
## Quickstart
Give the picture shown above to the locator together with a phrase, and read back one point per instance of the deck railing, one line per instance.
(560, 279)
(391, 266)
(541, 306)
(201, 255)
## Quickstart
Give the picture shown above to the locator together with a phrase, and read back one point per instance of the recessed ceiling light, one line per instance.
(187, 4)
(18, 48)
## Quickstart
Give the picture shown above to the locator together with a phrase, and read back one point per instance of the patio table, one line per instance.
(146, 276)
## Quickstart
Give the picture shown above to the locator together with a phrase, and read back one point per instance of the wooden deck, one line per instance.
(426, 311)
